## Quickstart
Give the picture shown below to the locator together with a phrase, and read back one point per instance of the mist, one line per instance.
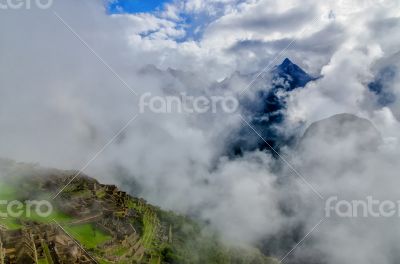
(62, 102)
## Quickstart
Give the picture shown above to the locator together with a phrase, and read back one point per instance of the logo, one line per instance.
(25, 4)
(17, 209)
(369, 207)
(187, 104)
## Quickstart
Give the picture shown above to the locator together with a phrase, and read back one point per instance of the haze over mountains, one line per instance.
(338, 149)
(60, 105)
(266, 110)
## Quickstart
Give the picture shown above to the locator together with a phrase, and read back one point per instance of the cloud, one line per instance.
(60, 104)
(351, 169)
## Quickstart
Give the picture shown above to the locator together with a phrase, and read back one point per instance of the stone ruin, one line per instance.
(40, 243)
(104, 206)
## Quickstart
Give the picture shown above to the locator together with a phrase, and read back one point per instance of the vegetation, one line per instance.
(88, 235)
(47, 254)
(161, 237)
(8, 192)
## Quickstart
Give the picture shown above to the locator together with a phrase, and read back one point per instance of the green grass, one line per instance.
(100, 194)
(55, 215)
(150, 226)
(101, 261)
(150, 221)
(120, 251)
(88, 235)
(13, 223)
(47, 254)
(9, 193)
(10, 223)
(155, 260)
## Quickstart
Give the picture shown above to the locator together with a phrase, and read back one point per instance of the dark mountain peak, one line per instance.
(266, 112)
(290, 68)
(286, 62)
(293, 74)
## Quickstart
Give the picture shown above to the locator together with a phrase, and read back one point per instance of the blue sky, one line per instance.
(135, 6)
(193, 24)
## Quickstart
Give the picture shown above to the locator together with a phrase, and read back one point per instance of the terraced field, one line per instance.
(101, 224)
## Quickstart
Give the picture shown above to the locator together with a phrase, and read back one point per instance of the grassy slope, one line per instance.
(166, 236)
(88, 235)
(9, 192)
(187, 241)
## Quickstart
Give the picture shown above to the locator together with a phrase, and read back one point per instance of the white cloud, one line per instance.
(59, 105)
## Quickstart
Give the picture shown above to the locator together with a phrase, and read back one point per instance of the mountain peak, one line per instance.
(288, 66)
(286, 62)
(291, 72)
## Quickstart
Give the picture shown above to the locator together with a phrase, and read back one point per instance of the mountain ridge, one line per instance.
(96, 223)
(265, 112)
